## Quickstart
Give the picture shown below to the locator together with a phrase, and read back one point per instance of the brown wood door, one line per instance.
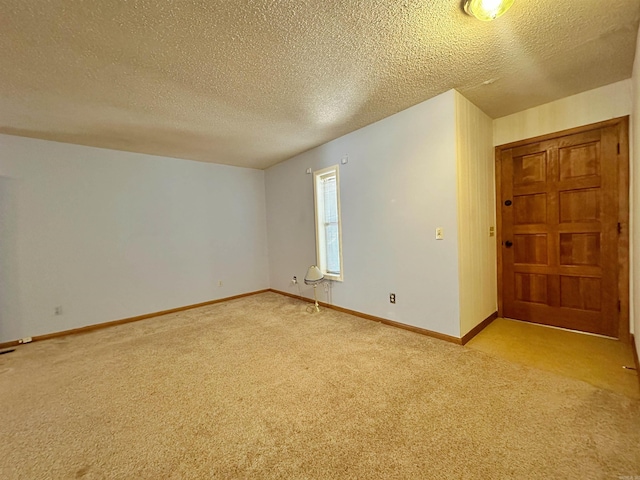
(560, 227)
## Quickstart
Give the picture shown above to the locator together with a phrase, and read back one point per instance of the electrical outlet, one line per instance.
(58, 310)
(492, 231)
(294, 280)
(439, 233)
(392, 297)
(25, 340)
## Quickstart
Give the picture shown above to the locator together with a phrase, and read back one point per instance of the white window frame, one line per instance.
(320, 227)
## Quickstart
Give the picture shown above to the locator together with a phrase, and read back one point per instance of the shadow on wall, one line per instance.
(10, 320)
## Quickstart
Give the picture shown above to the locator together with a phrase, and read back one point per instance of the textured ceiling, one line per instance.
(251, 83)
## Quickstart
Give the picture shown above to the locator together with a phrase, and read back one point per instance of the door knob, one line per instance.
(508, 203)
(508, 244)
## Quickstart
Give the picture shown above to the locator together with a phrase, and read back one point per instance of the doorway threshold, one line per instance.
(595, 359)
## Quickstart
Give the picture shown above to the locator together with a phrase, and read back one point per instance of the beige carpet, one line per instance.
(257, 388)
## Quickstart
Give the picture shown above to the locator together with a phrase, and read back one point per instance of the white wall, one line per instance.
(634, 139)
(398, 186)
(109, 235)
(476, 214)
(598, 105)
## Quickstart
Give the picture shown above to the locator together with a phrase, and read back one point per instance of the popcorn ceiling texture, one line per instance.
(251, 83)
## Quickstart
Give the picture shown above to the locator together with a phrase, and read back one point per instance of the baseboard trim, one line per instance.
(478, 328)
(391, 323)
(422, 331)
(635, 356)
(98, 326)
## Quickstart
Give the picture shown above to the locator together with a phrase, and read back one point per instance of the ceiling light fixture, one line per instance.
(487, 10)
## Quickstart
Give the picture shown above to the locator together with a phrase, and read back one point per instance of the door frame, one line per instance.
(623, 211)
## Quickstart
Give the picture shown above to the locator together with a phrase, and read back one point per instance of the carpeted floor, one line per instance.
(257, 388)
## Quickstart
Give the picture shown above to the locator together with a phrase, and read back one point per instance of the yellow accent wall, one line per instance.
(597, 105)
(476, 214)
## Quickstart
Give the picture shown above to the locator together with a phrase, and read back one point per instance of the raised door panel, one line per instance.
(528, 169)
(531, 288)
(579, 249)
(582, 293)
(530, 249)
(579, 161)
(530, 209)
(578, 206)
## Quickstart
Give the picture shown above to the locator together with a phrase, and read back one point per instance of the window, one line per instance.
(326, 189)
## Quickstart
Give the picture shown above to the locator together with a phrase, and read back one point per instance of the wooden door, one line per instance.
(563, 209)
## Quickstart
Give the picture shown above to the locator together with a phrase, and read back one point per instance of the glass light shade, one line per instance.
(314, 275)
(487, 10)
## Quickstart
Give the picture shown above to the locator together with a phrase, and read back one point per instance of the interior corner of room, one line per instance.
(96, 235)
(280, 239)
